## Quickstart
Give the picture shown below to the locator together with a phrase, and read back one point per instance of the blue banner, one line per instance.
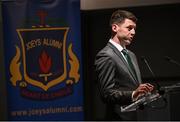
(42, 43)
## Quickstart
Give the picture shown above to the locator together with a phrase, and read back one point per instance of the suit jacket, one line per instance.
(116, 81)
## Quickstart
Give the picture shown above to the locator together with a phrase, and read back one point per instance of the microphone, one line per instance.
(171, 60)
(147, 64)
(161, 92)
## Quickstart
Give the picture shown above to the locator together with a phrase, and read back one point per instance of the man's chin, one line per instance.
(127, 42)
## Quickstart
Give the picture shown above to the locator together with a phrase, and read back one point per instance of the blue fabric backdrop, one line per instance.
(42, 43)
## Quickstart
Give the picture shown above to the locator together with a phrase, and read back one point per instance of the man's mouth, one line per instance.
(131, 38)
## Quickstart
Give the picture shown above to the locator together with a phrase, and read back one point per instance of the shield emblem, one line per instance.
(44, 56)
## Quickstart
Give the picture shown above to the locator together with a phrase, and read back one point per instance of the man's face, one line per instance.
(125, 31)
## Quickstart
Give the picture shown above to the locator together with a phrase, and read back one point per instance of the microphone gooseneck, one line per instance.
(147, 64)
(161, 92)
(169, 59)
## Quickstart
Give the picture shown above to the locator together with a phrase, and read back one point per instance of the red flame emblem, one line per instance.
(45, 62)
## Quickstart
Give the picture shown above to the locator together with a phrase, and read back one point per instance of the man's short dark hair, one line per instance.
(120, 15)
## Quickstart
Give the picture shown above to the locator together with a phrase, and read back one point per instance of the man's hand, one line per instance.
(142, 90)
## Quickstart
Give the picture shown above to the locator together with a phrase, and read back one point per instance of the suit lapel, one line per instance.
(129, 70)
(136, 68)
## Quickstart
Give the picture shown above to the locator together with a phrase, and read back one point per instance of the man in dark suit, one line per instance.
(119, 79)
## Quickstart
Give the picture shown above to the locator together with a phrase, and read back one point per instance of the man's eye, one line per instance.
(130, 28)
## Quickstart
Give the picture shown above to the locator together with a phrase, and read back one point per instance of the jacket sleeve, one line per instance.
(106, 71)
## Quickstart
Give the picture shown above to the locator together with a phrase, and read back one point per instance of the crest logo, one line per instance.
(43, 60)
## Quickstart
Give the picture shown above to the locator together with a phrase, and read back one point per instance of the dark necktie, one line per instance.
(125, 52)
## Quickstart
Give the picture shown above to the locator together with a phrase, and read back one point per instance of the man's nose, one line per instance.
(133, 31)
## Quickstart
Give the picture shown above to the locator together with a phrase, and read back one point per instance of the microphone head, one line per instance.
(167, 58)
(142, 58)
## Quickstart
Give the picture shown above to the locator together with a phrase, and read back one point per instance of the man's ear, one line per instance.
(114, 27)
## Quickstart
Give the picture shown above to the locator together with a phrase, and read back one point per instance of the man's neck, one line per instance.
(116, 40)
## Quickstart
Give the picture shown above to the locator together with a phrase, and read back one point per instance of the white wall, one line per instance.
(103, 4)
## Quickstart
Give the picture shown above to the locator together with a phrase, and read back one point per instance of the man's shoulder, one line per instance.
(106, 50)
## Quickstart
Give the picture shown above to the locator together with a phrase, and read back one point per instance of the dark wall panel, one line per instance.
(157, 35)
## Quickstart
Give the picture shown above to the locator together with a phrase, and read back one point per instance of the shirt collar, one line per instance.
(118, 46)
